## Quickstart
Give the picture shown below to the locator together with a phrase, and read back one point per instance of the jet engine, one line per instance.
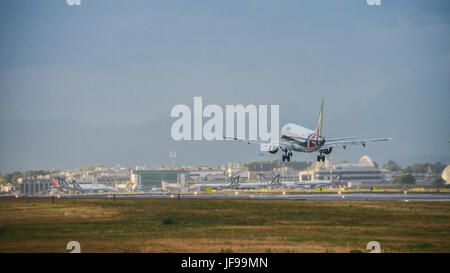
(320, 141)
(271, 148)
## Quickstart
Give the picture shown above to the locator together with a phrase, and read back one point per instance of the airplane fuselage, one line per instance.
(292, 130)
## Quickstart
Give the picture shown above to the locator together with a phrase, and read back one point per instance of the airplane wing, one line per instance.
(354, 142)
(268, 143)
(328, 139)
(340, 138)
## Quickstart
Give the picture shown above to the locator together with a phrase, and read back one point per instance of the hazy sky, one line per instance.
(124, 64)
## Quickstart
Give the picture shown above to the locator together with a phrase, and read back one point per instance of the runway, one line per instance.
(322, 196)
(288, 196)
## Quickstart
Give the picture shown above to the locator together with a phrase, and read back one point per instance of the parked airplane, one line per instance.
(300, 139)
(275, 182)
(218, 186)
(288, 184)
(62, 185)
(336, 181)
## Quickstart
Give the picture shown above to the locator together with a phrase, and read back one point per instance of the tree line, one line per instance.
(14, 176)
(415, 168)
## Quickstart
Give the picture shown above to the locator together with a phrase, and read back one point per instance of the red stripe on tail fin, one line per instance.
(55, 183)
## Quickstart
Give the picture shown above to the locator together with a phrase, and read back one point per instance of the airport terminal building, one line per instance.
(149, 180)
(32, 186)
(365, 172)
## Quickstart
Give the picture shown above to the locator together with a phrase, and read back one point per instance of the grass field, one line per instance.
(221, 225)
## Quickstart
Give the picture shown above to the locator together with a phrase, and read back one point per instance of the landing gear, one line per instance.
(287, 155)
(324, 151)
(320, 157)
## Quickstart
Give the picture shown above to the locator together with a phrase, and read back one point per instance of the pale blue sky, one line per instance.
(116, 64)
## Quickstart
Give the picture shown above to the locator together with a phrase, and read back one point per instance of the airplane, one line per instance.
(336, 181)
(201, 186)
(257, 185)
(288, 184)
(300, 139)
(62, 185)
(278, 183)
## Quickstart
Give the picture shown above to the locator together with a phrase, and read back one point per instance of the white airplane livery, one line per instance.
(219, 186)
(335, 182)
(300, 139)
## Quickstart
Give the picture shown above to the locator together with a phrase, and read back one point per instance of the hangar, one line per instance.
(146, 180)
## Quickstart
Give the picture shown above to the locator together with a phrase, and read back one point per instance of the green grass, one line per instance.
(220, 225)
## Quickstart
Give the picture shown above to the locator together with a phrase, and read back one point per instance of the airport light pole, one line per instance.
(172, 156)
(260, 174)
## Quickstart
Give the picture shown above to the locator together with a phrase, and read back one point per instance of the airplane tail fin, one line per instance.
(55, 183)
(336, 179)
(275, 181)
(319, 123)
(76, 186)
(234, 182)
